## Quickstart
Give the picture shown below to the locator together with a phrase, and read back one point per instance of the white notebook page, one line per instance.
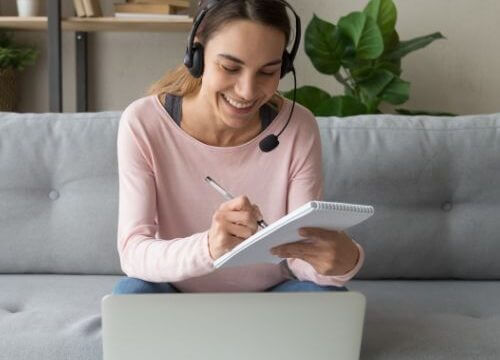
(322, 214)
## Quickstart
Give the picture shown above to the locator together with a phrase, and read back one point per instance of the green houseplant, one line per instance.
(363, 52)
(13, 58)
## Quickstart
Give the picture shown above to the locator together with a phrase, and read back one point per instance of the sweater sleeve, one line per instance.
(141, 254)
(306, 184)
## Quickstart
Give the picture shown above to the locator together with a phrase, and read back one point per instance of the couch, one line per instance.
(432, 270)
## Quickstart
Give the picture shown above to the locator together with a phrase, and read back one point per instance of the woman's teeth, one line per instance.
(237, 104)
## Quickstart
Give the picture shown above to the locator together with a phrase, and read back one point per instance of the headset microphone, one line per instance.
(271, 141)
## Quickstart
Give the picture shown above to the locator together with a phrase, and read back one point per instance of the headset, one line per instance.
(194, 61)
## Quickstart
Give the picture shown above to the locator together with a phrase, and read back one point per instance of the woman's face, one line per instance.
(242, 71)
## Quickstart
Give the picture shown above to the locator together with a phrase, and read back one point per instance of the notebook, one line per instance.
(323, 214)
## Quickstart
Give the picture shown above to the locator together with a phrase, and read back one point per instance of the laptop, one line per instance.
(233, 326)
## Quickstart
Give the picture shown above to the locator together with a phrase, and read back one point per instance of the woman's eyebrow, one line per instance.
(239, 61)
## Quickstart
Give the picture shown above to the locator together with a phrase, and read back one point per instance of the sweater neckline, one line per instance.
(285, 108)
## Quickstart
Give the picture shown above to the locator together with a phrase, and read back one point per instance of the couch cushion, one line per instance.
(434, 184)
(430, 319)
(52, 316)
(58, 193)
(58, 317)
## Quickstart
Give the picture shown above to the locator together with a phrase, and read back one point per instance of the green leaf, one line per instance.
(323, 46)
(363, 31)
(340, 106)
(14, 56)
(392, 66)
(397, 92)
(361, 72)
(385, 14)
(424, 112)
(309, 96)
(322, 104)
(392, 43)
(376, 83)
(371, 104)
(406, 47)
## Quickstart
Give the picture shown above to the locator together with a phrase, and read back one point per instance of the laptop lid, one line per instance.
(228, 326)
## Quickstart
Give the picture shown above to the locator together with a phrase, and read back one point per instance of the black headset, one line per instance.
(194, 61)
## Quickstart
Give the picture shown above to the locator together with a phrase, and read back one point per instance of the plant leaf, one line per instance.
(424, 112)
(309, 96)
(340, 106)
(385, 14)
(363, 31)
(361, 72)
(392, 66)
(397, 92)
(392, 43)
(406, 47)
(323, 46)
(376, 83)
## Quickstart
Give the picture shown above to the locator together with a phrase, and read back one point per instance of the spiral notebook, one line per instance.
(322, 214)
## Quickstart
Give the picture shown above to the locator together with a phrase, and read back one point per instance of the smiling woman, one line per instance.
(238, 53)
(209, 117)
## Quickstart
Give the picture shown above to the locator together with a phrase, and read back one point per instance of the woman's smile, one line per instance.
(236, 107)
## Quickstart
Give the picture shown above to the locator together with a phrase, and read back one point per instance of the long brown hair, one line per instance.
(267, 12)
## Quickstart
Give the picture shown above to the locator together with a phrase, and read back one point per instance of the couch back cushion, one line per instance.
(434, 183)
(58, 193)
(435, 186)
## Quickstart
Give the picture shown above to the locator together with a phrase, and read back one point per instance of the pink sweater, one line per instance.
(166, 207)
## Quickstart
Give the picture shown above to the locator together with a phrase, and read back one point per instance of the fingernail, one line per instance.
(302, 232)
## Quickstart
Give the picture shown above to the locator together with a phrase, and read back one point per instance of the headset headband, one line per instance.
(212, 3)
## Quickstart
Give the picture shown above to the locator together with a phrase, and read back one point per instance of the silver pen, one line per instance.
(228, 196)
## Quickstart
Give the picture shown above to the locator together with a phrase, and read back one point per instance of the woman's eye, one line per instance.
(234, 70)
(231, 70)
(268, 74)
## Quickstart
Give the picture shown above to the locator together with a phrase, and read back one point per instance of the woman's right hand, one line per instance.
(233, 222)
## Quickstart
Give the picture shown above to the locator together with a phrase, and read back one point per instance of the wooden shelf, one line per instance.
(54, 24)
(95, 24)
(23, 23)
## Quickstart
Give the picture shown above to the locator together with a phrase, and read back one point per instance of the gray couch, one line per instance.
(433, 247)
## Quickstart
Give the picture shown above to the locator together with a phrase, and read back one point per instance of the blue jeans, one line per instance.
(128, 285)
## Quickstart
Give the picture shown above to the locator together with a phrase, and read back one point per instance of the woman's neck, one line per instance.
(205, 127)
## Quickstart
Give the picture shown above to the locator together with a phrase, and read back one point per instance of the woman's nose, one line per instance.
(246, 87)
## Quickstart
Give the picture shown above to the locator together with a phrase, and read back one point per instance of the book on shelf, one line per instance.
(79, 9)
(92, 8)
(146, 16)
(177, 3)
(145, 8)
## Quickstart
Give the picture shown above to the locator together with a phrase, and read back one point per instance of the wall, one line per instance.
(460, 74)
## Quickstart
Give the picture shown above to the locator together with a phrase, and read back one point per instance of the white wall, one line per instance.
(460, 74)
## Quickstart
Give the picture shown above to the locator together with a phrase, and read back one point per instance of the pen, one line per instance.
(227, 195)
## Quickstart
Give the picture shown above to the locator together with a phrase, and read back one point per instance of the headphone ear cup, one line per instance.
(197, 60)
(286, 63)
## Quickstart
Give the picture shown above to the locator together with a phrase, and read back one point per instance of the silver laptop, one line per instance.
(233, 326)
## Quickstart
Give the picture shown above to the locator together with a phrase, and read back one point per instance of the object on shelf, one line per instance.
(145, 16)
(176, 3)
(92, 8)
(27, 8)
(144, 8)
(79, 8)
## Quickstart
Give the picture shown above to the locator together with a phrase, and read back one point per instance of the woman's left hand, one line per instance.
(329, 252)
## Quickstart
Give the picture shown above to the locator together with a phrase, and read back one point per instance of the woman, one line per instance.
(172, 225)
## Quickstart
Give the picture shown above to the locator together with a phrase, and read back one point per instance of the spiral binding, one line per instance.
(323, 205)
